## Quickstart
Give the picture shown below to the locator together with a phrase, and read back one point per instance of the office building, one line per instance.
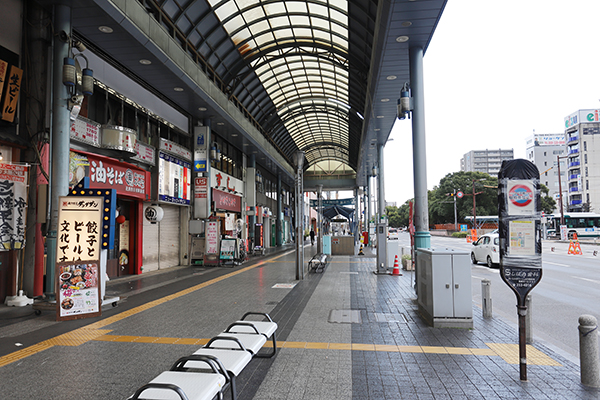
(582, 135)
(488, 161)
(543, 150)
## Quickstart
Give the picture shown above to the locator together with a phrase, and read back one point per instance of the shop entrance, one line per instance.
(119, 261)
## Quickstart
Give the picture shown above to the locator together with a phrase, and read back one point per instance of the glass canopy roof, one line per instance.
(289, 63)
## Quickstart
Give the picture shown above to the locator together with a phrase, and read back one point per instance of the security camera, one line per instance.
(77, 99)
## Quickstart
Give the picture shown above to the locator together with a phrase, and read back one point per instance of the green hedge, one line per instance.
(459, 234)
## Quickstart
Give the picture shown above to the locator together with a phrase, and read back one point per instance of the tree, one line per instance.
(441, 201)
(548, 203)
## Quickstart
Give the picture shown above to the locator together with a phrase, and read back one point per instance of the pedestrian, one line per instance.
(312, 237)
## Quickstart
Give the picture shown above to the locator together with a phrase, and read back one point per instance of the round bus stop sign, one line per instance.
(459, 194)
(520, 195)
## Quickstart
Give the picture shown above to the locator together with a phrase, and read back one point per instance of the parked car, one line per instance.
(486, 249)
(392, 234)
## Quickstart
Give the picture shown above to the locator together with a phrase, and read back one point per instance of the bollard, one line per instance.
(528, 324)
(588, 351)
(486, 298)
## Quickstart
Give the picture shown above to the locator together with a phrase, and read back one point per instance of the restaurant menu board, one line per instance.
(212, 237)
(77, 257)
(79, 293)
(227, 249)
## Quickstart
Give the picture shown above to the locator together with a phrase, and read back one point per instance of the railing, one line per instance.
(574, 164)
(574, 202)
(573, 138)
(574, 189)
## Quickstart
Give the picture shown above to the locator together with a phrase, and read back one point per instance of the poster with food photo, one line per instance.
(78, 289)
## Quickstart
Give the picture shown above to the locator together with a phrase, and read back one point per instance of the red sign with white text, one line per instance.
(226, 201)
(105, 172)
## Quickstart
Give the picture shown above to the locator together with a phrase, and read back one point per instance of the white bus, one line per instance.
(585, 224)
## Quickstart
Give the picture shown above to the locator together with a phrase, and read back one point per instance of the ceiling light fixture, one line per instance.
(220, 123)
(178, 89)
(391, 77)
(406, 24)
(145, 62)
(202, 109)
(105, 29)
(402, 39)
(385, 100)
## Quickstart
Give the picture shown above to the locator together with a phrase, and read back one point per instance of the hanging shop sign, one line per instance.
(13, 88)
(13, 205)
(226, 201)
(145, 153)
(154, 213)
(107, 173)
(77, 257)
(119, 138)
(85, 131)
(174, 177)
(175, 149)
(326, 203)
(201, 135)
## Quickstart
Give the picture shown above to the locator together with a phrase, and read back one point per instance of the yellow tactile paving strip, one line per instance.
(508, 352)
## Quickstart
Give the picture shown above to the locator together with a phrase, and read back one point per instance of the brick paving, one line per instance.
(390, 354)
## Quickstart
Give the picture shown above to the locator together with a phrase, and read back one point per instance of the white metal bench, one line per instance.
(319, 261)
(211, 369)
(178, 384)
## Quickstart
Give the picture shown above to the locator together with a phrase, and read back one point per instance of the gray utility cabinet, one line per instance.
(444, 287)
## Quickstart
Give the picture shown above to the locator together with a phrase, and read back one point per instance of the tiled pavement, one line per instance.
(390, 354)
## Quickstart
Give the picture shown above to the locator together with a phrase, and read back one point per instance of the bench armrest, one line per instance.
(225, 338)
(213, 362)
(168, 386)
(228, 330)
(265, 315)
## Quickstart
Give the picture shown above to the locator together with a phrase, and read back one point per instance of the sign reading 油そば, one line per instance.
(77, 257)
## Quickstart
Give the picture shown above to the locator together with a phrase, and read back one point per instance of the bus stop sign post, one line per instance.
(519, 217)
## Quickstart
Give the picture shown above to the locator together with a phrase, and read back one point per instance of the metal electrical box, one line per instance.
(381, 235)
(444, 287)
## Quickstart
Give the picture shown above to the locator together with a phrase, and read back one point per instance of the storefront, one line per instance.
(132, 185)
(166, 245)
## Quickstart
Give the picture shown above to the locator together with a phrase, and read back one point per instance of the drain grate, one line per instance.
(345, 316)
(382, 317)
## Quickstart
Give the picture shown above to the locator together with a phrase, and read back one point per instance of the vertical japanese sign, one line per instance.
(201, 137)
(13, 205)
(13, 87)
(212, 238)
(77, 257)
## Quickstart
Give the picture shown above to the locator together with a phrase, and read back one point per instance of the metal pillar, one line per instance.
(368, 209)
(299, 158)
(382, 220)
(60, 139)
(279, 220)
(251, 180)
(421, 212)
(319, 219)
(356, 215)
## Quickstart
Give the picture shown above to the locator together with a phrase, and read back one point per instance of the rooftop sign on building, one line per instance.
(582, 116)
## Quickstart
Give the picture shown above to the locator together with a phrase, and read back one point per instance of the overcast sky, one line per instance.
(495, 72)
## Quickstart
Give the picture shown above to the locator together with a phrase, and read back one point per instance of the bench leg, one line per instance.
(272, 353)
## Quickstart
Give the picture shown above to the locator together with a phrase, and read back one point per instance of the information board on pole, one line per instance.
(520, 214)
(519, 209)
(78, 257)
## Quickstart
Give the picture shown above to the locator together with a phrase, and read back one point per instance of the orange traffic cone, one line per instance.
(396, 270)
